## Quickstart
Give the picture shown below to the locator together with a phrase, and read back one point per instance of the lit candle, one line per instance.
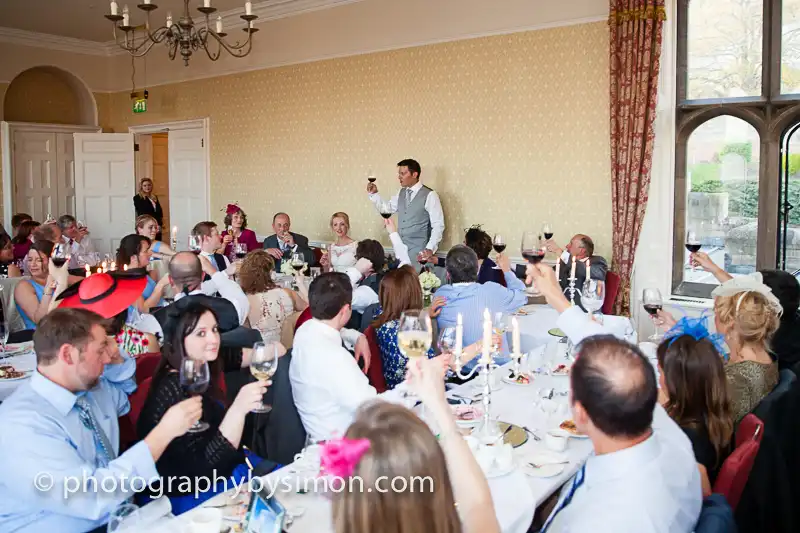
(219, 23)
(100, 270)
(459, 336)
(174, 238)
(169, 19)
(588, 268)
(248, 8)
(147, 2)
(572, 273)
(113, 266)
(88, 271)
(125, 17)
(558, 267)
(206, 3)
(487, 335)
(515, 335)
(125, 268)
(114, 8)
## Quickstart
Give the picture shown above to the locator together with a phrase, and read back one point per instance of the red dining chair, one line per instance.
(317, 254)
(127, 423)
(736, 469)
(612, 289)
(146, 365)
(375, 372)
(304, 317)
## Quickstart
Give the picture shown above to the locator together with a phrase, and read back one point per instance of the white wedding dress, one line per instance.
(343, 257)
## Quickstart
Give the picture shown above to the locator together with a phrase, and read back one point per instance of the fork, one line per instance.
(534, 465)
(531, 433)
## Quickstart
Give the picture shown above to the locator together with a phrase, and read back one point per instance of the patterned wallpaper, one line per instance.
(511, 131)
(41, 96)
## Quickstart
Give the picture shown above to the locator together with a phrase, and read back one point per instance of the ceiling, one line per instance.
(83, 19)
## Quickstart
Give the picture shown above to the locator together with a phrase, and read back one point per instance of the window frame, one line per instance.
(771, 114)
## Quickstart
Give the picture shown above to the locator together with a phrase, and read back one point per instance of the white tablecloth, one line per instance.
(23, 362)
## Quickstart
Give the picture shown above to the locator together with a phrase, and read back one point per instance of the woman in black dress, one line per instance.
(146, 203)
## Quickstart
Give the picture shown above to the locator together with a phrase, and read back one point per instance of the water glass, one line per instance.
(124, 518)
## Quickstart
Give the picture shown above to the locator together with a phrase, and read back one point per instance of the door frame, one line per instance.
(200, 123)
(7, 132)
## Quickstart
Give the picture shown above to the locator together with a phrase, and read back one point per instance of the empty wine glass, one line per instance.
(652, 302)
(499, 245)
(195, 377)
(194, 243)
(263, 364)
(592, 297)
(124, 518)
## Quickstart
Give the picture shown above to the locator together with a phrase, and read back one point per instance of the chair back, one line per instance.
(305, 316)
(283, 434)
(12, 317)
(785, 381)
(612, 289)
(146, 365)
(733, 475)
(716, 516)
(287, 330)
(317, 254)
(127, 423)
(368, 317)
(375, 372)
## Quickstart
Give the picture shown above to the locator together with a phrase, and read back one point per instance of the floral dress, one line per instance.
(394, 362)
(133, 341)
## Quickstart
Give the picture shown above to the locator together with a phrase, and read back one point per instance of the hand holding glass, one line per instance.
(195, 377)
(263, 364)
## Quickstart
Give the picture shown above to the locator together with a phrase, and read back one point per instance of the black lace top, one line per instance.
(192, 454)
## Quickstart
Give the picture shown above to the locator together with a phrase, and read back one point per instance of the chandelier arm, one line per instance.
(234, 48)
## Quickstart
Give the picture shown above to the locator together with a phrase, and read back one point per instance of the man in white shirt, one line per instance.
(643, 474)
(210, 242)
(420, 216)
(78, 242)
(327, 384)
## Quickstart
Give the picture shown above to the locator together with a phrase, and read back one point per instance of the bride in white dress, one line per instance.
(342, 253)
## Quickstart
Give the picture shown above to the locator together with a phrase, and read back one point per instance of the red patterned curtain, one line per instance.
(636, 34)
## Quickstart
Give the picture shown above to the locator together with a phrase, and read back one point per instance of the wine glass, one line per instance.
(195, 377)
(240, 250)
(499, 328)
(414, 335)
(385, 209)
(124, 518)
(499, 245)
(652, 301)
(263, 364)
(60, 254)
(298, 262)
(3, 323)
(194, 243)
(547, 229)
(371, 176)
(593, 296)
(692, 245)
(532, 248)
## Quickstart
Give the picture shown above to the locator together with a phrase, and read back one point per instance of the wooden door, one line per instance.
(160, 169)
(35, 174)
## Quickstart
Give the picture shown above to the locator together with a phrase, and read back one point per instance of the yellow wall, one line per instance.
(510, 130)
(39, 95)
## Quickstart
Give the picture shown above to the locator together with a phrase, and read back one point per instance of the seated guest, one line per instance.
(581, 248)
(327, 384)
(694, 393)
(284, 243)
(34, 296)
(643, 475)
(23, 239)
(78, 242)
(481, 242)
(64, 421)
(269, 304)
(134, 251)
(8, 268)
(210, 242)
(469, 298)
(785, 344)
(342, 252)
(236, 231)
(186, 271)
(48, 231)
(373, 452)
(17, 220)
(215, 452)
(147, 226)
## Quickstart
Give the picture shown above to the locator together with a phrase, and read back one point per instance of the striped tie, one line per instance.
(105, 452)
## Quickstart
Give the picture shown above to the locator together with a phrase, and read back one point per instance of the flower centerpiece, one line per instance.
(429, 282)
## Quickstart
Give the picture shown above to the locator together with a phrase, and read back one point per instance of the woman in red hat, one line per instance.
(236, 231)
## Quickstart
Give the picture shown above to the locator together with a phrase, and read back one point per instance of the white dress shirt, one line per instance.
(327, 384)
(364, 296)
(84, 249)
(210, 258)
(653, 486)
(228, 289)
(433, 205)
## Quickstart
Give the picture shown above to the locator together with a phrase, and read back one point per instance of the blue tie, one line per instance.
(101, 443)
(576, 482)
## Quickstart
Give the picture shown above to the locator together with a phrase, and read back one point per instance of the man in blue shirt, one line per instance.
(60, 440)
(466, 296)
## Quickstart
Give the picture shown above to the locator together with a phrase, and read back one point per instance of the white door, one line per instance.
(144, 157)
(188, 183)
(66, 173)
(35, 174)
(104, 186)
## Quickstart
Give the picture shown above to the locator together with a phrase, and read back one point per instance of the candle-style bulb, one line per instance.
(169, 19)
(248, 8)
(206, 3)
(114, 8)
(219, 23)
(126, 16)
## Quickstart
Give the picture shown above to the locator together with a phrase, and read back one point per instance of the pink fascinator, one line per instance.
(339, 457)
(232, 208)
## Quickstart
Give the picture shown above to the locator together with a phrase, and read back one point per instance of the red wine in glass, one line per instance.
(548, 236)
(533, 256)
(371, 180)
(241, 255)
(653, 309)
(195, 387)
(693, 247)
(499, 248)
(59, 261)
(386, 215)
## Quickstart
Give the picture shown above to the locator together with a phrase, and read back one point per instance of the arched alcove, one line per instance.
(50, 95)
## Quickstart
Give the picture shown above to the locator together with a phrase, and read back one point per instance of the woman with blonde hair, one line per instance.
(454, 499)
(342, 253)
(147, 226)
(146, 203)
(269, 304)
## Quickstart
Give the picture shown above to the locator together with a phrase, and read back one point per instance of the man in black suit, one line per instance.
(284, 243)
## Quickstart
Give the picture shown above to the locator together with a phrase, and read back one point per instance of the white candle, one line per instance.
(125, 268)
(459, 336)
(572, 273)
(103, 265)
(114, 8)
(487, 335)
(125, 18)
(169, 19)
(588, 268)
(113, 266)
(147, 2)
(174, 238)
(206, 3)
(515, 335)
(88, 271)
(558, 267)
(219, 24)
(248, 8)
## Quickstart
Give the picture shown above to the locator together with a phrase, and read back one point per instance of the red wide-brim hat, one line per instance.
(106, 294)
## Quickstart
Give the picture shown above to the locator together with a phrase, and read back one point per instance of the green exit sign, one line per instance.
(140, 105)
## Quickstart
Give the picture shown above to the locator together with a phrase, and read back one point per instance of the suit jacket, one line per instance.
(302, 248)
(144, 207)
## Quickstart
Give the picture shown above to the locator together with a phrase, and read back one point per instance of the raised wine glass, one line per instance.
(240, 250)
(652, 301)
(547, 230)
(385, 209)
(592, 297)
(298, 262)
(263, 364)
(195, 377)
(532, 248)
(125, 517)
(60, 254)
(194, 243)
(693, 245)
(371, 176)
(414, 335)
(499, 245)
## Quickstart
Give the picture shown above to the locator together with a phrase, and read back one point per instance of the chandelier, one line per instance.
(182, 35)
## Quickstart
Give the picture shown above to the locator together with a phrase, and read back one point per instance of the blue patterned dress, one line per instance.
(394, 362)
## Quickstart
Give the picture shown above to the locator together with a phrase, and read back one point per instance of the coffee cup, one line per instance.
(557, 443)
(206, 520)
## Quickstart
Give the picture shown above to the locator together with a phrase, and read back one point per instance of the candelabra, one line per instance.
(488, 429)
(572, 289)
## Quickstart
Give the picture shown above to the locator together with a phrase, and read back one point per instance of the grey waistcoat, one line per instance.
(414, 224)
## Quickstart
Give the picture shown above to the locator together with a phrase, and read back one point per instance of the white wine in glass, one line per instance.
(263, 364)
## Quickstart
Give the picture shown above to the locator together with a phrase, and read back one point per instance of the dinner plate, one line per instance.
(499, 472)
(525, 310)
(545, 470)
(26, 375)
(17, 349)
(510, 381)
(468, 423)
(564, 433)
(556, 332)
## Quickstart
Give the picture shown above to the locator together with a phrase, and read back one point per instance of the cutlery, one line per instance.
(531, 433)
(534, 465)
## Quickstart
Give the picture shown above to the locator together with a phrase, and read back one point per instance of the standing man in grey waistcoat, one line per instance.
(420, 219)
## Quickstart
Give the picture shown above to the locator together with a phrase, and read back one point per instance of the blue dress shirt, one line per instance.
(470, 299)
(45, 442)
